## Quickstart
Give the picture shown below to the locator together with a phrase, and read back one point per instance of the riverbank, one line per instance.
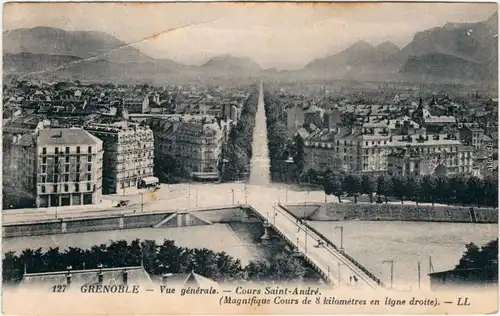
(108, 222)
(393, 212)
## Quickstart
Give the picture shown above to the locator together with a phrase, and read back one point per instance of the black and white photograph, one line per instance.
(249, 158)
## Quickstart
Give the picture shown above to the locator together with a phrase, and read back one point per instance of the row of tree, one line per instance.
(237, 153)
(459, 189)
(277, 136)
(156, 259)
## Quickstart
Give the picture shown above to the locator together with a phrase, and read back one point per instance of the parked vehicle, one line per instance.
(149, 183)
(122, 203)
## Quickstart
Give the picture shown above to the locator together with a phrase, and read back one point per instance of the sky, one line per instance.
(275, 35)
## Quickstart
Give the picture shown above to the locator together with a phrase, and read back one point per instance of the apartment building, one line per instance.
(385, 146)
(136, 103)
(68, 167)
(128, 153)
(193, 142)
(447, 159)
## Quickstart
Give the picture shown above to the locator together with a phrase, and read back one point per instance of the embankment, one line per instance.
(125, 221)
(393, 212)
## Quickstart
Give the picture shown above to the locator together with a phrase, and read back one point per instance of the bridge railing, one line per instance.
(331, 244)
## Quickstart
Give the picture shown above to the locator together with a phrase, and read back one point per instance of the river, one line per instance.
(407, 243)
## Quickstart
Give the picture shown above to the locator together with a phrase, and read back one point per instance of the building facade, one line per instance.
(193, 142)
(128, 154)
(386, 147)
(68, 167)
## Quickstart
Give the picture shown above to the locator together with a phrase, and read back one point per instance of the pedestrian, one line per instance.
(350, 280)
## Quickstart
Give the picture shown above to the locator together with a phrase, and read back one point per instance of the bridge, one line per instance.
(334, 265)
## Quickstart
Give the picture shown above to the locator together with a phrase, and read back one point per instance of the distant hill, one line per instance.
(24, 63)
(228, 64)
(445, 66)
(83, 44)
(456, 51)
(358, 61)
(471, 46)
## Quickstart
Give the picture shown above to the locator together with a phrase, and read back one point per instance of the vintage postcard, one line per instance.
(249, 158)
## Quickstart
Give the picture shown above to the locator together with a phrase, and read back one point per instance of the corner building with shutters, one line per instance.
(68, 167)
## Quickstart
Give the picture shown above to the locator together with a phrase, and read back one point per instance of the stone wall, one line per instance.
(45, 228)
(114, 222)
(142, 220)
(92, 224)
(397, 212)
(392, 212)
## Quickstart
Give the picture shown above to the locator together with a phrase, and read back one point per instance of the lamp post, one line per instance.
(391, 262)
(246, 193)
(224, 161)
(288, 162)
(142, 202)
(275, 213)
(341, 236)
(232, 191)
(338, 272)
(305, 240)
(189, 195)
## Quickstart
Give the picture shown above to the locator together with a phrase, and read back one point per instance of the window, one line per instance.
(66, 168)
(56, 160)
(88, 187)
(366, 143)
(89, 177)
(56, 178)
(56, 150)
(77, 177)
(55, 188)
(77, 149)
(56, 169)
(43, 189)
(67, 159)
(66, 189)
(90, 149)
(44, 160)
(89, 167)
(67, 150)
(66, 178)
(44, 179)
(78, 167)
(44, 150)
(77, 187)
(89, 158)
(44, 169)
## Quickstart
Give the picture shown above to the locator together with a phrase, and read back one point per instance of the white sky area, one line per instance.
(276, 35)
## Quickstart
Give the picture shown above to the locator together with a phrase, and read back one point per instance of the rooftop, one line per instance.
(65, 136)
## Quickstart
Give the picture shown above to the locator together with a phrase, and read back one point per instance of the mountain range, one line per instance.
(456, 51)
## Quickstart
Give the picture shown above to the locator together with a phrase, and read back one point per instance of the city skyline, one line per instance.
(242, 30)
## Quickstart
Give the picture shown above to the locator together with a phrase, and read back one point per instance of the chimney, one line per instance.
(68, 276)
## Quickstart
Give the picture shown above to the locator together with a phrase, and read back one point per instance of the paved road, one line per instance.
(326, 259)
